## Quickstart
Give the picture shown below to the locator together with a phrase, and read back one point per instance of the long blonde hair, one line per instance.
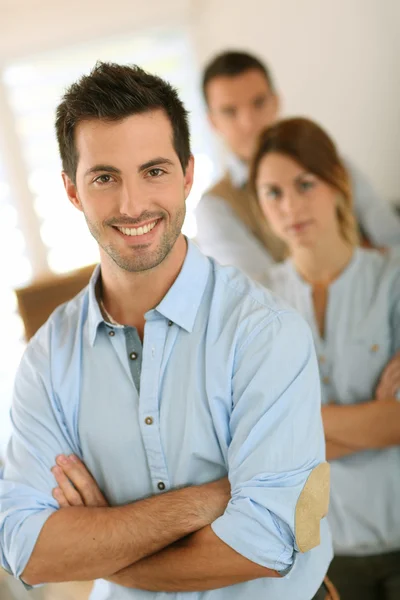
(307, 143)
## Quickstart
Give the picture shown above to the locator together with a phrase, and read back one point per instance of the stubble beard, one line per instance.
(140, 259)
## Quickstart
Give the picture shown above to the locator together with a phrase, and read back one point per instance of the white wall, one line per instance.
(335, 61)
(33, 25)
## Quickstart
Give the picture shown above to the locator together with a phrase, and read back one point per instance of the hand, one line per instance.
(389, 382)
(332, 591)
(76, 486)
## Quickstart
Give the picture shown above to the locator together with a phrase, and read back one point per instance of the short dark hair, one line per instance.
(232, 63)
(113, 92)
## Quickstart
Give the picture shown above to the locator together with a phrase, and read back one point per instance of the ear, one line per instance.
(72, 192)
(189, 175)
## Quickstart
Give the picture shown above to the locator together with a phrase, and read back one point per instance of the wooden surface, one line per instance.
(38, 300)
(10, 589)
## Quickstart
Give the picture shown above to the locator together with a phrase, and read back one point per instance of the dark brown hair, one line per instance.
(305, 142)
(113, 92)
(231, 64)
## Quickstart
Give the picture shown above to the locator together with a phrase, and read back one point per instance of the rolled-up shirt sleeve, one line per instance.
(26, 483)
(277, 470)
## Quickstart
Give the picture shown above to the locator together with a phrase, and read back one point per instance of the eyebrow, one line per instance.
(102, 168)
(304, 174)
(147, 165)
(261, 96)
(276, 185)
(226, 107)
(154, 162)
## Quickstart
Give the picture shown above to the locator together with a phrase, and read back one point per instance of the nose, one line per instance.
(248, 121)
(132, 200)
(291, 203)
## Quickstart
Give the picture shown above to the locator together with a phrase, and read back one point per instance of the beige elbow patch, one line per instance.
(312, 507)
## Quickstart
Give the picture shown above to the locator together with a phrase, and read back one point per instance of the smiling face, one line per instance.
(240, 107)
(299, 206)
(131, 187)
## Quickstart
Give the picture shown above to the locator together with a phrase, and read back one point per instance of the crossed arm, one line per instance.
(370, 425)
(357, 427)
(95, 541)
(40, 543)
(200, 561)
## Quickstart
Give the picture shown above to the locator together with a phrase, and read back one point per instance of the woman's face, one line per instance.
(300, 207)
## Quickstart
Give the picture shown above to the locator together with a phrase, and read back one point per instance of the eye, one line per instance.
(156, 172)
(229, 111)
(306, 185)
(273, 193)
(103, 179)
(260, 102)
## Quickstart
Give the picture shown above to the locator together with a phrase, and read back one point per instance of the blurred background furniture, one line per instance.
(38, 300)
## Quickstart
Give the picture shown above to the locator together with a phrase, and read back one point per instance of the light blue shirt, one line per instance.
(222, 235)
(230, 378)
(362, 326)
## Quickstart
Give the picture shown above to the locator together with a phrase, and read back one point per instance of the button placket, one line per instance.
(153, 348)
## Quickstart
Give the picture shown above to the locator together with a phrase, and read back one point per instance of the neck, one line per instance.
(324, 261)
(128, 296)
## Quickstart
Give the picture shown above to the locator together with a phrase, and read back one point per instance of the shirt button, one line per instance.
(111, 333)
(170, 323)
(375, 348)
(161, 486)
(149, 420)
(322, 359)
(326, 380)
(133, 356)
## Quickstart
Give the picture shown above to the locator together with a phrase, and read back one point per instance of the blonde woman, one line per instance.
(351, 300)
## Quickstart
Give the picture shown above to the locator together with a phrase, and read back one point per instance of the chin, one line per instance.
(303, 243)
(245, 154)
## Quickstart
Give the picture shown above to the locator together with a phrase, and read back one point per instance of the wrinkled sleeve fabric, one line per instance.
(377, 218)
(221, 235)
(276, 440)
(26, 483)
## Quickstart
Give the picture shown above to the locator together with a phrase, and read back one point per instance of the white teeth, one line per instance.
(139, 230)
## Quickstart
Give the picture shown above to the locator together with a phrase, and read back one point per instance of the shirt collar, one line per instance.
(238, 170)
(181, 303)
(348, 272)
(94, 313)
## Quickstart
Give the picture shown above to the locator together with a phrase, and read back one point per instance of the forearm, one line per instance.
(335, 451)
(82, 543)
(363, 426)
(202, 562)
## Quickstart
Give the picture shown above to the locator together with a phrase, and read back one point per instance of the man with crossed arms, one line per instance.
(166, 375)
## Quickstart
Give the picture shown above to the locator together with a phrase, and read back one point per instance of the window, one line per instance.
(15, 271)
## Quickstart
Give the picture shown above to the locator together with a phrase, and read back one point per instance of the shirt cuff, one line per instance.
(267, 551)
(21, 540)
